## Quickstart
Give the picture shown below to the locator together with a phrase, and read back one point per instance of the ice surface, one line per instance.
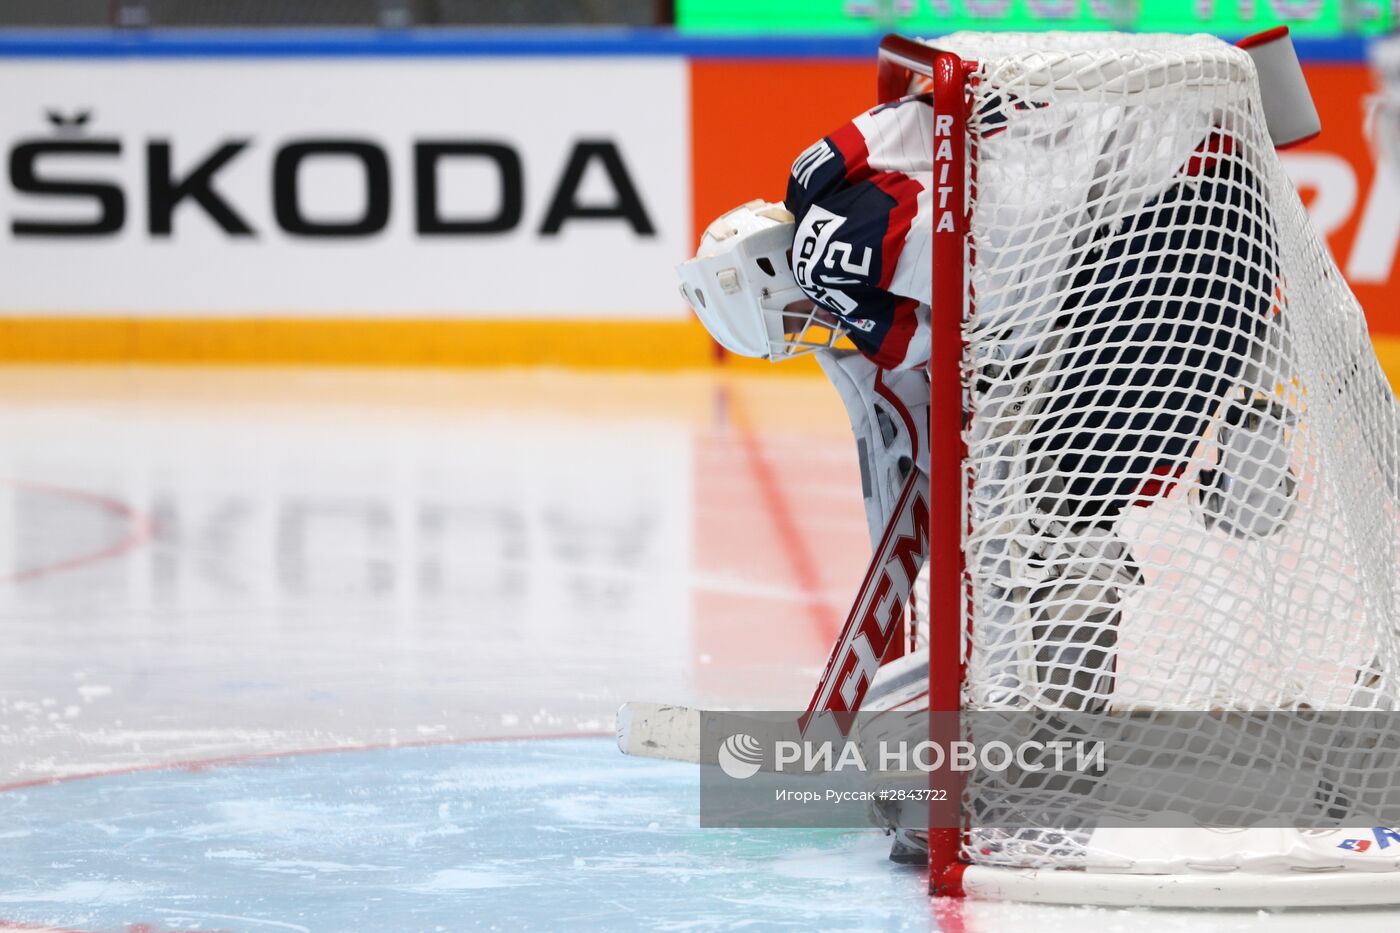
(205, 563)
(213, 568)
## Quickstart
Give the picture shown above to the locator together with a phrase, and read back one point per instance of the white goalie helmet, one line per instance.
(741, 286)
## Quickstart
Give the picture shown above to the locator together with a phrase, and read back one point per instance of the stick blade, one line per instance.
(659, 730)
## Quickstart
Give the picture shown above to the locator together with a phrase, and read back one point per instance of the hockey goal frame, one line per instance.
(949, 874)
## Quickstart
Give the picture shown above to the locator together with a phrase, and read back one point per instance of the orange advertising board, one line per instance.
(1353, 201)
(750, 119)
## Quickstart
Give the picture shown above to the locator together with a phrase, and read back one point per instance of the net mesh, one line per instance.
(1182, 452)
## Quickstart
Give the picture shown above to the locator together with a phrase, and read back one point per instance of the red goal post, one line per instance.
(900, 60)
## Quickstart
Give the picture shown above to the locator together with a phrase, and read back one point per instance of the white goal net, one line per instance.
(1182, 453)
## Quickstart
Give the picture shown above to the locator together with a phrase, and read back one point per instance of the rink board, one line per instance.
(455, 198)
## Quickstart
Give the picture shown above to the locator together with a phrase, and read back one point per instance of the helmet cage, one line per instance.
(804, 327)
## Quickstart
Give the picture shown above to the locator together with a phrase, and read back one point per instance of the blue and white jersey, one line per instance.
(862, 201)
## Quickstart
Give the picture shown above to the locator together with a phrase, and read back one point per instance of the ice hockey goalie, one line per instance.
(858, 214)
(1128, 317)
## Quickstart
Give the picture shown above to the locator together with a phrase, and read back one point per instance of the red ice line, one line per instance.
(221, 761)
(141, 529)
(130, 928)
(823, 615)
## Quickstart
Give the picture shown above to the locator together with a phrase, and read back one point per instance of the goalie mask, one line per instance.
(741, 286)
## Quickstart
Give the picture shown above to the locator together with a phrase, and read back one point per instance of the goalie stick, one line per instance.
(869, 638)
(871, 634)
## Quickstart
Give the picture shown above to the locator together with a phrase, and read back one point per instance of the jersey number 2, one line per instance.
(841, 252)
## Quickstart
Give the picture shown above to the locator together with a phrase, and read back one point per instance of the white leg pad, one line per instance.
(889, 417)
